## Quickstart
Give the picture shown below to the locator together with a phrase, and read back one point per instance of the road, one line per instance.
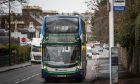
(32, 74)
(29, 75)
(20, 75)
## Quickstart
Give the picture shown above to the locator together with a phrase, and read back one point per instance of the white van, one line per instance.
(36, 50)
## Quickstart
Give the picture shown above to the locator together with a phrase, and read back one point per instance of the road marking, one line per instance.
(27, 78)
(17, 82)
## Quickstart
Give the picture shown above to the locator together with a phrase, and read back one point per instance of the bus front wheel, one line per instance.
(46, 79)
(79, 79)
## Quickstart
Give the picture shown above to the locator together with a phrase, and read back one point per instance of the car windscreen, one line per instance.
(36, 49)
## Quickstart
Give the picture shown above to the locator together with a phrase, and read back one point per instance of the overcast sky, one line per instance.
(66, 6)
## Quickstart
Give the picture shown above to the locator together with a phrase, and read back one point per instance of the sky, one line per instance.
(65, 6)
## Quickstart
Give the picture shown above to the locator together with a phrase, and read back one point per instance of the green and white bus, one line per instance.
(63, 47)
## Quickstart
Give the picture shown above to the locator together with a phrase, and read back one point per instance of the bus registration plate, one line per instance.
(61, 75)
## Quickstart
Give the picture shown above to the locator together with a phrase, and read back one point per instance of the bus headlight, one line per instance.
(44, 67)
(47, 38)
(78, 39)
(78, 67)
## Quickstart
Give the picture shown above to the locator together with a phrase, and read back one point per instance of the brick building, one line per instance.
(29, 21)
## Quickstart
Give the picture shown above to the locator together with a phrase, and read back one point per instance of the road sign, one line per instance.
(119, 5)
(23, 39)
(119, 8)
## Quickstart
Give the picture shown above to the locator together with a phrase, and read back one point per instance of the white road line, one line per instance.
(17, 82)
(27, 78)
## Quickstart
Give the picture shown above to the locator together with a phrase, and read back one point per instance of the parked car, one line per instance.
(89, 52)
(105, 46)
(95, 51)
(100, 49)
(97, 48)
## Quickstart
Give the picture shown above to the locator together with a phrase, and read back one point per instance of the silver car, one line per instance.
(89, 52)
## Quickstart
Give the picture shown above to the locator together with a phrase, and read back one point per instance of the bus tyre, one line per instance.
(79, 79)
(46, 79)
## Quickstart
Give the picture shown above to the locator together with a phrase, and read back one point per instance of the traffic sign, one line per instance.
(119, 5)
(119, 8)
(23, 39)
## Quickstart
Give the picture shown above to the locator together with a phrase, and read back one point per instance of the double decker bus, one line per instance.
(63, 47)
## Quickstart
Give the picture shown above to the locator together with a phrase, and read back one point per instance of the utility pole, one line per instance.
(111, 35)
(9, 33)
(35, 25)
(111, 24)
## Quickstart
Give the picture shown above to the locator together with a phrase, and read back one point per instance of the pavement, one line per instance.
(124, 77)
(16, 66)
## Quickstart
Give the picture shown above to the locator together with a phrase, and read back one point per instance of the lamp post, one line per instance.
(35, 25)
(111, 36)
(9, 34)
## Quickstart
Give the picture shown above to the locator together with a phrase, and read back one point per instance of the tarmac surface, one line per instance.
(16, 66)
(124, 76)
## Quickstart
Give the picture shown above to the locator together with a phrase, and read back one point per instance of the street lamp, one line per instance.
(9, 35)
(35, 25)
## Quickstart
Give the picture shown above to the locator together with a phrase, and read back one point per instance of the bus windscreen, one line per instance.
(61, 55)
(61, 25)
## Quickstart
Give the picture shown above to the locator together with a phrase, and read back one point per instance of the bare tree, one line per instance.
(93, 4)
(100, 19)
(4, 4)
